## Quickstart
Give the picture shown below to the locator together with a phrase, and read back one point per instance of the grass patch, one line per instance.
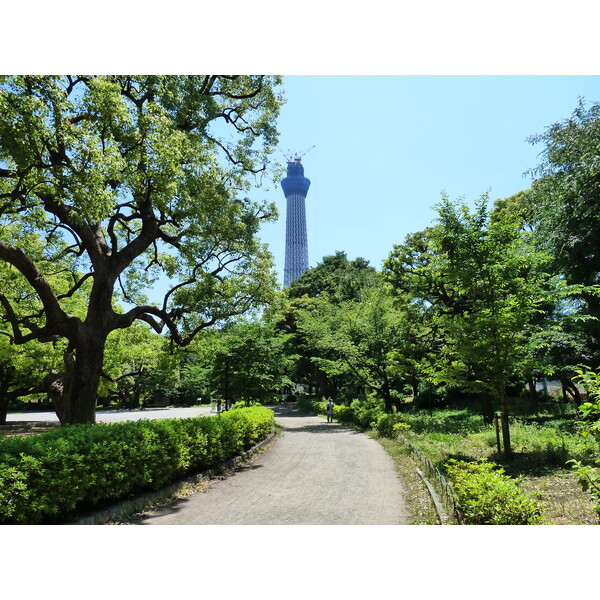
(418, 501)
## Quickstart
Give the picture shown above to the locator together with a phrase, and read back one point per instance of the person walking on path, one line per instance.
(329, 410)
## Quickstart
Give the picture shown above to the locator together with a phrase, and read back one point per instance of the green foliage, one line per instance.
(366, 412)
(589, 477)
(243, 404)
(565, 194)
(555, 442)
(249, 361)
(498, 292)
(453, 421)
(111, 182)
(335, 282)
(443, 432)
(132, 358)
(486, 299)
(390, 424)
(335, 278)
(49, 477)
(366, 342)
(565, 200)
(488, 497)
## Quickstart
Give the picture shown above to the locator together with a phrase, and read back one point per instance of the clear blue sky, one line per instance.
(386, 147)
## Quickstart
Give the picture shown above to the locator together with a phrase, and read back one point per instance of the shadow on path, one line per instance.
(318, 424)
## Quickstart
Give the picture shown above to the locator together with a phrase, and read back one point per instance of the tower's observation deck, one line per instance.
(295, 187)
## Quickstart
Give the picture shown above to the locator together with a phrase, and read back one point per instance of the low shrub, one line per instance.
(555, 440)
(365, 413)
(343, 413)
(460, 422)
(389, 424)
(358, 413)
(245, 404)
(488, 497)
(49, 477)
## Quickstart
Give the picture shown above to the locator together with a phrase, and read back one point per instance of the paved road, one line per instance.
(120, 415)
(316, 473)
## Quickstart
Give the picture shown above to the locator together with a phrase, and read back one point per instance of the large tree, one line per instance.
(488, 296)
(127, 181)
(335, 280)
(368, 341)
(565, 201)
(335, 277)
(250, 361)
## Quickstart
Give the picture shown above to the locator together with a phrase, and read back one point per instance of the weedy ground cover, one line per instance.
(542, 445)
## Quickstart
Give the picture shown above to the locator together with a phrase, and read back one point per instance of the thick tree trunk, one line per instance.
(3, 408)
(6, 373)
(83, 368)
(569, 388)
(387, 399)
(6, 398)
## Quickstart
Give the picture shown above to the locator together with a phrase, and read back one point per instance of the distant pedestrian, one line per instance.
(329, 410)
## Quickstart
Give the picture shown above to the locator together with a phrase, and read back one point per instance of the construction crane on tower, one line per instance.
(290, 157)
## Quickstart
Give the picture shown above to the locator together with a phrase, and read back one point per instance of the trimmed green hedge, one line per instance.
(48, 478)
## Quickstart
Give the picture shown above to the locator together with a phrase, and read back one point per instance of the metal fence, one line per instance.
(443, 487)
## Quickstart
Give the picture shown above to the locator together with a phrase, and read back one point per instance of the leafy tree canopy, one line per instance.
(566, 193)
(565, 202)
(118, 181)
(336, 277)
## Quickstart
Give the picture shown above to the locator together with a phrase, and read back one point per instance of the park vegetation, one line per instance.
(108, 183)
(51, 477)
(111, 186)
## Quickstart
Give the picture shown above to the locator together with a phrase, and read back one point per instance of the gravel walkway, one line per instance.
(316, 473)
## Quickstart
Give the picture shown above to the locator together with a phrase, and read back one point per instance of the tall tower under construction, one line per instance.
(295, 187)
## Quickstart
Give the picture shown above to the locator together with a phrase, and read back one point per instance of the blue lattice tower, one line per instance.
(295, 187)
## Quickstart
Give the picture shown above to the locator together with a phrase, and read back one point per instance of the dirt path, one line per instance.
(316, 473)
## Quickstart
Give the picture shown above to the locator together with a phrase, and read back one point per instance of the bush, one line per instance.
(488, 497)
(554, 440)
(49, 477)
(343, 413)
(388, 425)
(366, 412)
(460, 422)
(589, 412)
(363, 414)
(244, 404)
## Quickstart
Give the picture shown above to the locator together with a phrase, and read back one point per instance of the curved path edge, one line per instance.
(127, 508)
